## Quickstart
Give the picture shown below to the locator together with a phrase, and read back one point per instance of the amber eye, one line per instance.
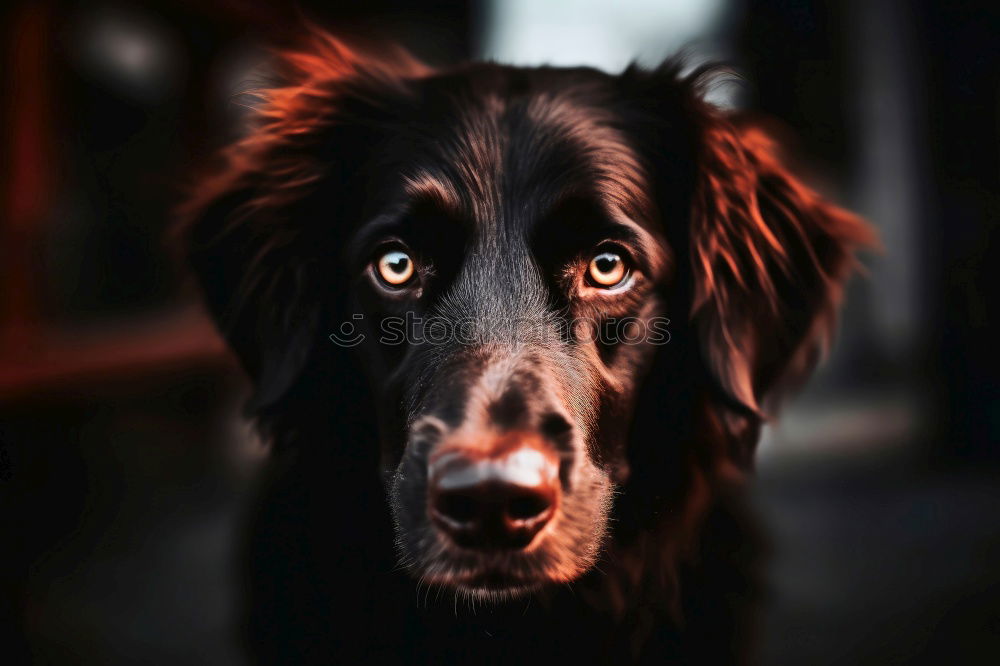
(395, 268)
(607, 269)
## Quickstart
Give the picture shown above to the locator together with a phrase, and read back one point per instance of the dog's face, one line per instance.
(508, 245)
(511, 287)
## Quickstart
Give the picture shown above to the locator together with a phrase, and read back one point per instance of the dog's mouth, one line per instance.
(505, 575)
(496, 586)
(493, 580)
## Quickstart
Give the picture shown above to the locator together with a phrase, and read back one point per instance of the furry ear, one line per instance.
(260, 228)
(770, 258)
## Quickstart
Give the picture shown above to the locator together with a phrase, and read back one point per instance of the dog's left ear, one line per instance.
(263, 228)
(769, 259)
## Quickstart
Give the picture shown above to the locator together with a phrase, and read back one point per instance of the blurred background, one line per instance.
(125, 466)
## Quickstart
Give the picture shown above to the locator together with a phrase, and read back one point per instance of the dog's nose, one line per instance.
(498, 501)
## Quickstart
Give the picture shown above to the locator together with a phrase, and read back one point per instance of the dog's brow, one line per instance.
(619, 176)
(383, 224)
(655, 250)
(426, 187)
(612, 218)
(396, 218)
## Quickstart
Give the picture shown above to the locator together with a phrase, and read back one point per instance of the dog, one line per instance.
(513, 333)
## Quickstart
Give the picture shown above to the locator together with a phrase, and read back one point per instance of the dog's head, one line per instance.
(516, 257)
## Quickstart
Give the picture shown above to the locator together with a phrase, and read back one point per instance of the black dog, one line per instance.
(561, 302)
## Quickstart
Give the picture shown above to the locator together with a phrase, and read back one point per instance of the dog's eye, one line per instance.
(395, 268)
(607, 269)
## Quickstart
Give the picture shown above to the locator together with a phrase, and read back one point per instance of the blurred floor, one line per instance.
(875, 562)
(164, 598)
(124, 519)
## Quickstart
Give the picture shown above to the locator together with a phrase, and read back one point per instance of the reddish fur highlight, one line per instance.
(286, 117)
(770, 258)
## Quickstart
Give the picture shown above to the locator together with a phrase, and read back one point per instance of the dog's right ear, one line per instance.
(768, 257)
(260, 229)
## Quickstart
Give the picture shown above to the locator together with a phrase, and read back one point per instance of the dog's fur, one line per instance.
(502, 181)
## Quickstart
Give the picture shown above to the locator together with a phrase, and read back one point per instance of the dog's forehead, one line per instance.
(506, 157)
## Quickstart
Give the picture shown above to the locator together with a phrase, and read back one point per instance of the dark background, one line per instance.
(124, 465)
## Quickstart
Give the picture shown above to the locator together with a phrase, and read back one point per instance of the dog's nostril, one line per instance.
(457, 507)
(526, 507)
(555, 427)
